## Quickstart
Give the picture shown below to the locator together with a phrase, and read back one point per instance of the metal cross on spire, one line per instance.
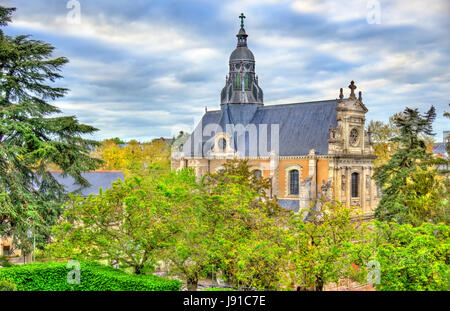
(242, 16)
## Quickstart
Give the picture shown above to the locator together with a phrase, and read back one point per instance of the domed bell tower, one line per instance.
(241, 86)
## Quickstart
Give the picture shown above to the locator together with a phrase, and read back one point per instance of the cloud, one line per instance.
(148, 69)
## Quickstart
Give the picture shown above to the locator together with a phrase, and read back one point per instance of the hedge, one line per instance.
(52, 276)
(217, 289)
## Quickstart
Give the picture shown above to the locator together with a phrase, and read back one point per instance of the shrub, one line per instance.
(4, 261)
(52, 276)
(7, 285)
(217, 289)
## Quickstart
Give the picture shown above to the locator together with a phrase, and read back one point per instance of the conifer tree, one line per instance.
(31, 137)
(411, 156)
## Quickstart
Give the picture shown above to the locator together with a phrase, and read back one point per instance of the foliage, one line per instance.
(127, 223)
(4, 261)
(52, 276)
(5, 16)
(258, 261)
(413, 259)
(134, 159)
(408, 163)
(217, 289)
(244, 226)
(31, 137)
(7, 286)
(427, 196)
(332, 244)
(117, 140)
(381, 135)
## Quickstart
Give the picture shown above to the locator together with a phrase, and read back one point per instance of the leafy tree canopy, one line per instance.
(413, 259)
(409, 178)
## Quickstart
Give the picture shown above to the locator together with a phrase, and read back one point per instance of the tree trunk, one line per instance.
(192, 284)
(319, 284)
(138, 269)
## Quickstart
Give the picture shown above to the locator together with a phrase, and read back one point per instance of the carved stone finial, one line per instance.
(341, 94)
(360, 96)
(352, 88)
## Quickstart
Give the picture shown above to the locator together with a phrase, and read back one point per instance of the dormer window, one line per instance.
(222, 144)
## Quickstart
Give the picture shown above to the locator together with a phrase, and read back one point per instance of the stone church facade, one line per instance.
(308, 150)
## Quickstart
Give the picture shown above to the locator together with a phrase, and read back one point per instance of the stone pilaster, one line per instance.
(274, 171)
(348, 186)
(312, 164)
(363, 190)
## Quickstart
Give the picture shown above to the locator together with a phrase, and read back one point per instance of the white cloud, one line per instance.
(136, 36)
(337, 11)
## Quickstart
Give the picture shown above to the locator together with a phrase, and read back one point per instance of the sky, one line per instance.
(145, 69)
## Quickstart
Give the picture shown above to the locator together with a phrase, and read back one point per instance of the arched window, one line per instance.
(355, 185)
(257, 173)
(293, 182)
(238, 81)
(247, 81)
(222, 144)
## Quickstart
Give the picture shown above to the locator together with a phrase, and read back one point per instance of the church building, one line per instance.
(308, 149)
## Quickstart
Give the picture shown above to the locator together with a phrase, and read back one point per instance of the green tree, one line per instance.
(128, 223)
(331, 245)
(411, 155)
(135, 159)
(427, 196)
(230, 226)
(253, 227)
(117, 140)
(381, 135)
(413, 258)
(31, 137)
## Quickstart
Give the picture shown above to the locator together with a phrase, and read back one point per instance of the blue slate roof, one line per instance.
(97, 179)
(302, 127)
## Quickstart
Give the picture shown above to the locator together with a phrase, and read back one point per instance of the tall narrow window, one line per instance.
(238, 81)
(293, 182)
(247, 81)
(222, 144)
(355, 185)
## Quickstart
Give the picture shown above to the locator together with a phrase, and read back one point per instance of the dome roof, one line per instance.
(242, 53)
